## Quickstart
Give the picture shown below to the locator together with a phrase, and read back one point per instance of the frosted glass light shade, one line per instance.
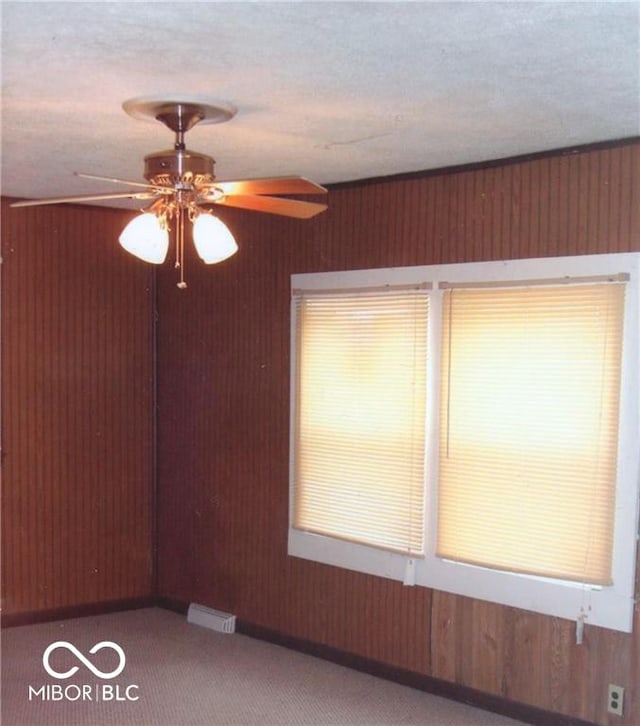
(213, 239)
(146, 238)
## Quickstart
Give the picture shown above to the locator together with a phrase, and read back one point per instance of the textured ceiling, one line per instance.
(334, 91)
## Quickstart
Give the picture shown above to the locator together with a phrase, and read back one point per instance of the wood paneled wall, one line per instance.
(223, 439)
(77, 410)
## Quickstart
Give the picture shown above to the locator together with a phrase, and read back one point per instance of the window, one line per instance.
(361, 411)
(473, 428)
(529, 428)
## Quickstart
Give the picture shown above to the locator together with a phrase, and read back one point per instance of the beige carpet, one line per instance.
(182, 674)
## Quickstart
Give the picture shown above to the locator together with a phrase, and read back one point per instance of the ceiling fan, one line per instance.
(181, 183)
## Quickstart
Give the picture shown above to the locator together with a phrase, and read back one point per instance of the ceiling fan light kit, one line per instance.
(146, 238)
(213, 239)
(181, 182)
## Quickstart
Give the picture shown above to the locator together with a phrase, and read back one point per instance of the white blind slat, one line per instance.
(360, 421)
(530, 386)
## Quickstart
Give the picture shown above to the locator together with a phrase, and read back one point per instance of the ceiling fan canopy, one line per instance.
(181, 183)
(177, 165)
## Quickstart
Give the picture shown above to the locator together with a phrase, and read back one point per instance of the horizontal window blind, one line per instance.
(530, 384)
(360, 418)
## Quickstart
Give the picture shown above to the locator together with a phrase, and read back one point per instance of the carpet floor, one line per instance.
(178, 674)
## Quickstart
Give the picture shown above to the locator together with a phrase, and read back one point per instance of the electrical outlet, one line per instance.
(615, 702)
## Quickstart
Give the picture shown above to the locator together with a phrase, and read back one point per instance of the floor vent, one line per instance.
(212, 619)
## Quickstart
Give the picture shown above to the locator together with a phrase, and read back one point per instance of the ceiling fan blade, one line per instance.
(117, 181)
(85, 198)
(273, 205)
(273, 185)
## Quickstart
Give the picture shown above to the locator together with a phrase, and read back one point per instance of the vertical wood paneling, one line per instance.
(224, 424)
(76, 411)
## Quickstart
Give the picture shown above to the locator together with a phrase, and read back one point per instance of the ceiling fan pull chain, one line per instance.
(177, 236)
(180, 247)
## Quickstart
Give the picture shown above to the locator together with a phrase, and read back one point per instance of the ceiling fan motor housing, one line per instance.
(179, 166)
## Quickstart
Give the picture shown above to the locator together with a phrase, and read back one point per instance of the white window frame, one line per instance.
(610, 607)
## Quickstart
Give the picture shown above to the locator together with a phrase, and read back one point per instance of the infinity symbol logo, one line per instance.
(82, 659)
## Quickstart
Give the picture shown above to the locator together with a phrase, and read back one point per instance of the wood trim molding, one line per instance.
(75, 611)
(176, 606)
(488, 164)
(419, 681)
